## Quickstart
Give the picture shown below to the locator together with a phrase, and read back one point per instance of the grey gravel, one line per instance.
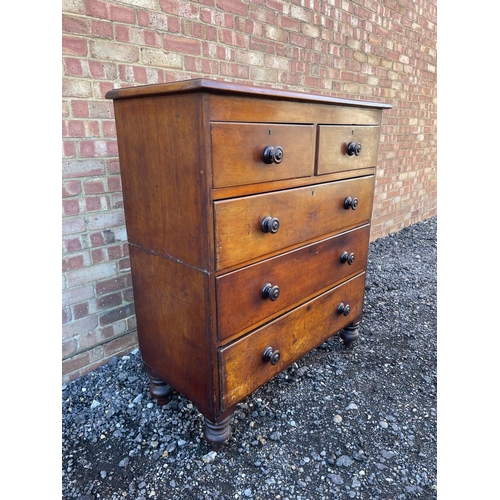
(338, 424)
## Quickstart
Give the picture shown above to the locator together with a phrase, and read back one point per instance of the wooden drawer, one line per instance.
(242, 367)
(303, 214)
(238, 152)
(333, 155)
(299, 275)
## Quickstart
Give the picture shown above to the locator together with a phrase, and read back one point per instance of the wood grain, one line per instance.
(332, 149)
(299, 274)
(293, 334)
(303, 213)
(237, 152)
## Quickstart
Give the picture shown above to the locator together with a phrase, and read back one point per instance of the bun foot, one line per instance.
(160, 390)
(217, 434)
(349, 334)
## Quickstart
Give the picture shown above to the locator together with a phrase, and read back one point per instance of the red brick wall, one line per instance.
(384, 51)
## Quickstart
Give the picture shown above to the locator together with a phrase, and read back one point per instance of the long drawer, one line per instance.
(247, 153)
(243, 367)
(254, 226)
(250, 296)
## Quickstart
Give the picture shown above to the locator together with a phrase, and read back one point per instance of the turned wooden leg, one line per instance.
(217, 433)
(349, 334)
(160, 390)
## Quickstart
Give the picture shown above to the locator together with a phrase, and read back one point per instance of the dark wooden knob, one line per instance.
(273, 154)
(347, 257)
(270, 292)
(270, 224)
(271, 355)
(351, 203)
(344, 309)
(354, 148)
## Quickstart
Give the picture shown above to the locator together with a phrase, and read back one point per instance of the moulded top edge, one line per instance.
(199, 84)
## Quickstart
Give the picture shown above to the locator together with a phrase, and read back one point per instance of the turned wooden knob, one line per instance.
(270, 224)
(351, 203)
(347, 257)
(354, 148)
(344, 309)
(273, 154)
(271, 355)
(270, 292)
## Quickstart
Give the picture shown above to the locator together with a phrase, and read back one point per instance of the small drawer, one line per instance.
(250, 296)
(250, 227)
(247, 153)
(243, 365)
(343, 148)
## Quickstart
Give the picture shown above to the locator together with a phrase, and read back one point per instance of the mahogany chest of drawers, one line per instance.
(248, 220)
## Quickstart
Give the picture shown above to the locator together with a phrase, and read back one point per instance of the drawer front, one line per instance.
(238, 152)
(243, 368)
(302, 213)
(298, 276)
(337, 148)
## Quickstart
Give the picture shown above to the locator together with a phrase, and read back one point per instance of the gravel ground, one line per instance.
(358, 423)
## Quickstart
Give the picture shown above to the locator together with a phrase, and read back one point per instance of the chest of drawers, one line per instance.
(248, 220)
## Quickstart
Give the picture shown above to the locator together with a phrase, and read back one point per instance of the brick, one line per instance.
(74, 46)
(234, 38)
(73, 6)
(96, 8)
(76, 88)
(81, 310)
(94, 186)
(75, 25)
(89, 339)
(114, 183)
(262, 74)
(101, 49)
(90, 274)
(124, 265)
(122, 14)
(71, 188)
(175, 43)
(122, 345)
(77, 295)
(250, 58)
(300, 40)
(288, 23)
(276, 34)
(71, 367)
(102, 29)
(200, 65)
(98, 256)
(300, 13)
(281, 63)
(117, 202)
(234, 70)
(69, 348)
(114, 252)
(95, 203)
(159, 58)
(278, 5)
(109, 286)
(235, 6)
(108, 301)
(70, 207)
(72, 244)
(79, 327)
(73, 225)
(115, 315)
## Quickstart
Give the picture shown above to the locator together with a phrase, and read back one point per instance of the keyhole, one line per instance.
(269, 132)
